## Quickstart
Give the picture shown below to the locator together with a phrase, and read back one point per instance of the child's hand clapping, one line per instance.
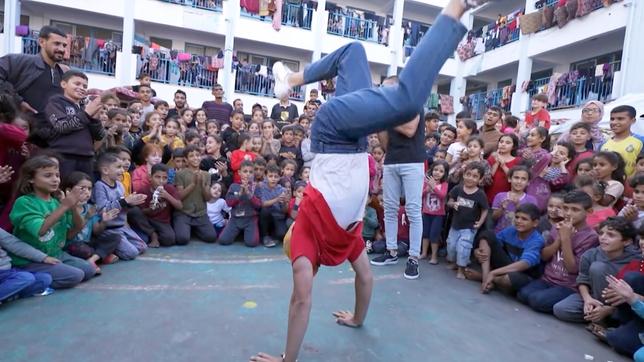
(5, 174)
(109, 215)
(135, 199)
(71, 199)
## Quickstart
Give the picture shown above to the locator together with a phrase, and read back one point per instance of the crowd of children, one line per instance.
(554, 222)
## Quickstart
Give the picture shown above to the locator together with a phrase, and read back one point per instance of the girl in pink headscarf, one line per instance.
(591, 114)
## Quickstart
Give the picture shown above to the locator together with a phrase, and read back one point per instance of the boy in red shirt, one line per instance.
(240, 155)
(538, 116)
(162, 199)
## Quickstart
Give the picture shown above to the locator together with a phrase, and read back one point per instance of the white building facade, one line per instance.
(192, 44)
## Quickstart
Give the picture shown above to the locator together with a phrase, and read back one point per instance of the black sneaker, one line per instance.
(385, 259)
(411, 271)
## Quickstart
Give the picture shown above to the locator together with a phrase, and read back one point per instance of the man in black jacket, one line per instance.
(33, 79)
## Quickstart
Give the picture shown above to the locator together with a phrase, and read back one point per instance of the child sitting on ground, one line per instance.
(108, 194)
(470, 210)
(245, 207)
(615, 250)
(217, 207)
(511, 259)
(274, 198)
(569, 239)
(161, 200)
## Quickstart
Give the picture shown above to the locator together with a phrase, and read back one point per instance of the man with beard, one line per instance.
(180, 103)
(33, 79)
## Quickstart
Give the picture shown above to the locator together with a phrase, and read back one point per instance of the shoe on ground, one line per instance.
(385, 259)
(411, 270)
(268, 242)
(280, 73)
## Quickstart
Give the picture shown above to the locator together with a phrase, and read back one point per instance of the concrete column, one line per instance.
(126, 64)
(231, 16)
(459, 83)
(633, 52)
(520, 99)
(396, 38)
(319, 29)
(11, 20)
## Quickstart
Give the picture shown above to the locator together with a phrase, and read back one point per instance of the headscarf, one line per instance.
(596, 134)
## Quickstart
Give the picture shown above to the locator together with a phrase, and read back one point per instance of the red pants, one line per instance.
(318, 237)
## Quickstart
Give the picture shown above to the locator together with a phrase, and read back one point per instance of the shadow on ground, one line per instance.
(212, 303)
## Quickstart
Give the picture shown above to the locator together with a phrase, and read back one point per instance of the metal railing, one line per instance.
(582, 90)
(257, 84)
(481, 101)
(596, 4)
(354, 28)
(294, 15)
(100, 61)
(189, 73)
(212, 5)
(506, 36)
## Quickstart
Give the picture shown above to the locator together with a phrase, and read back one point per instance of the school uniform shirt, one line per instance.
(597, 254)
(28, 215)
(162, 212)
(528, 250)
(555, 271)
(628, 148)
(284, 113)
(507, 219)
(194, 204)
(533, 120)
(434, 200)
(470, 207)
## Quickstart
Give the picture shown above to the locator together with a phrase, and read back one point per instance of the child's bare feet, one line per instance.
(451, 265)
(345, 318)
(460, 275)
(473, 275)
(110, 259)
(263, 357)
(433, 261)
(97, 270)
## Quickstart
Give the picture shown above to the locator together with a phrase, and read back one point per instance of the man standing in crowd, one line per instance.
(33, 79)
(284, 111)
(238, 105)
(488, 132)
(180, 103)
(218, 109)
(403, 173)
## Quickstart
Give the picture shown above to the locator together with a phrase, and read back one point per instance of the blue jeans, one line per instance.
(342, 124)
(396, 179)
(542, 296)
(24, 284)
(459, 246)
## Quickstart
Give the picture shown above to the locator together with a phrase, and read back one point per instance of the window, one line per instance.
(24, 20)
(197, 49)
(266, 60)
(542, 74)
(89, 31)
(587, 66)
(166, 43)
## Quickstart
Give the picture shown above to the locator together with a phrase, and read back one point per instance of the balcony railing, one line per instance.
(596, 4)
(249, 82)
(101, 60)
(480, 102)
(212, 5)
(189, 73)
(582, 90)
(298, 16)
(354, 28)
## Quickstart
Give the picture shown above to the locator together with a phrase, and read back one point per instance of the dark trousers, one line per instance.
(236, 225)
(499, 257)
(625, 338)
(137, 220)
(71, 163)
(66, 274)
(542, 296)
(22, 283)
(102, 245)
(272, 225)
(164, 231)
(185, 224)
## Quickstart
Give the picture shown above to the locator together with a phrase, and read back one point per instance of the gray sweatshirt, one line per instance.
(18, 247)
(597, 254)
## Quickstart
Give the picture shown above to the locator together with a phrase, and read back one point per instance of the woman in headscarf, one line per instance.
(591, 114)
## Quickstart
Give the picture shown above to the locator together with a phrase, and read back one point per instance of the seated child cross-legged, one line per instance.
(511, 260)
(161, 200)
(194, 189)
(470, 210)
(615, 250)
(568, 240)
(245, 207)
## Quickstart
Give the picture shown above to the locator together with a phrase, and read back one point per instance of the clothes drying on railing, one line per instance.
(357, 24)
(178, 67)
(265, 8)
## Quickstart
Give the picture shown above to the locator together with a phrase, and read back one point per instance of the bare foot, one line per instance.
(434, 261)
(345, 318)
(154, 241)
(422, 256)
(451, 266)
(473, 275)
(110, 259)
(460, 275)
(263, 357)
